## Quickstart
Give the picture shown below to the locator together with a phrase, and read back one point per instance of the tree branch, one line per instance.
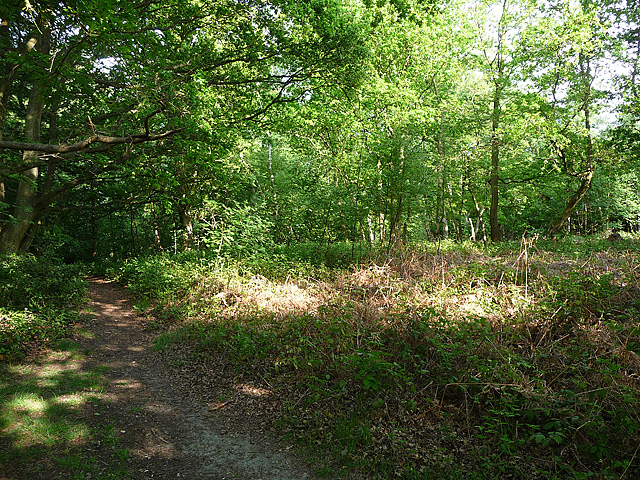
(86, 144)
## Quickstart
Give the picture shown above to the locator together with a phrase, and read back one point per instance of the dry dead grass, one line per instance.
(503, 288)
(539, 323)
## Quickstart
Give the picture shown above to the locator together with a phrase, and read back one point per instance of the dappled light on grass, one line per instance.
(74, 400)
(30, 405)
(278, 298)
(50, 421)
(36, 401)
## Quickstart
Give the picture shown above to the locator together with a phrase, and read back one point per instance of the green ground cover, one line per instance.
(516, 361)
(445, 361)
(45, 393)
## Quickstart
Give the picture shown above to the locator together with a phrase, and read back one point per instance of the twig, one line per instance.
(219, 406)
(442, 401)
(301, 397)
(630, 462)
(158, 436)
(265, 381)
(557, 376)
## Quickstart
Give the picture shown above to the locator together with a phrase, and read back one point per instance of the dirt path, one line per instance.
(170, 431)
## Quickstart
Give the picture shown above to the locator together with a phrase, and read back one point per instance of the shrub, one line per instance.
(38, 300)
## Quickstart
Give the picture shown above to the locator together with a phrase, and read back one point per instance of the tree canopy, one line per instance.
(178, 122)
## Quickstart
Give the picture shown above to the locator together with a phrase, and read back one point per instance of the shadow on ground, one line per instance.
(105, 406)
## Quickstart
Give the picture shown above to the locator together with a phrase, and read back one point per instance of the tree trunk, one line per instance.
(441, 207)
(496, 235)
(395, 216)
(372, 233)
(185, 215)
(5, 86)
(395, 238)
(186, 220)
(17, 234)
(559, 222)
(480, 218)
(156, 233)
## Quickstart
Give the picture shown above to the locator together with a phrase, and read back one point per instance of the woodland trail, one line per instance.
(170, 431)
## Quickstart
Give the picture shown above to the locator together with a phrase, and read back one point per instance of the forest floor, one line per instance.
(143, 415)
(515, 363)
(518, 362)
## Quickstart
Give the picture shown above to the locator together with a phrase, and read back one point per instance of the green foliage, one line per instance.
(195, 84)
(533, 392)
(39, 298)
(234, 232)
(43, 420)
(335, 255)
(356, 128)
(620, 198)
(27, 282)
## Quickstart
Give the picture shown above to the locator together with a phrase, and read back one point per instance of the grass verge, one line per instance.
(39, 300)
(47, 398)
(46, 429)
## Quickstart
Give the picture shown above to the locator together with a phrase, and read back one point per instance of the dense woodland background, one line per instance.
(414, 222)
(134, 127)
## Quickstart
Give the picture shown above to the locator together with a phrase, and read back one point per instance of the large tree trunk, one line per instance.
(498, 75)
(14, 234)
(5, 86)
(17, 233)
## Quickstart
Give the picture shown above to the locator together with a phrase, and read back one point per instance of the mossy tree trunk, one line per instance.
(17, 231)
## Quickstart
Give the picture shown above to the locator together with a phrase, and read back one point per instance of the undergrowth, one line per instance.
(39, 299)
(519, 361)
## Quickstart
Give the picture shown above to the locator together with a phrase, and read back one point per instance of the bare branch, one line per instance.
(86, 144)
